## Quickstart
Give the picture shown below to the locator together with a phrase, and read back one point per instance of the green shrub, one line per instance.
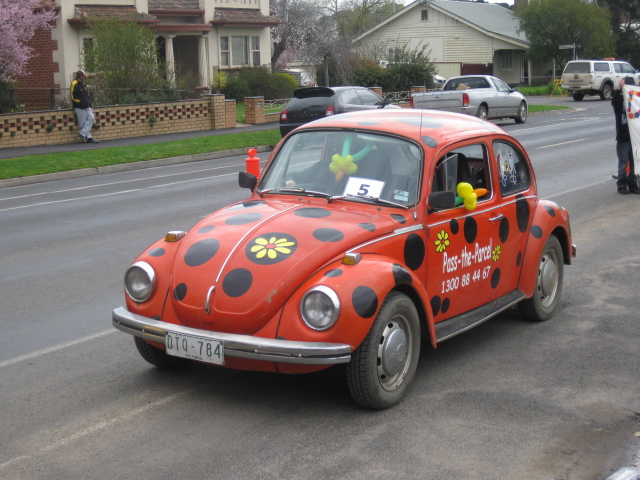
(257, 81)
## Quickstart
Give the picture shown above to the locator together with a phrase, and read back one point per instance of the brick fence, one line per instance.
(53, 127)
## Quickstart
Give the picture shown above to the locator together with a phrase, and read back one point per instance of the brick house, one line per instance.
(197, 38)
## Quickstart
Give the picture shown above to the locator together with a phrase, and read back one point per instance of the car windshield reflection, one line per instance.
(346, 165)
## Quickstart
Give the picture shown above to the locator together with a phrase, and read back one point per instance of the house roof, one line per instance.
(242, 16)
(180, 5)
(83, 13)
(492, 19)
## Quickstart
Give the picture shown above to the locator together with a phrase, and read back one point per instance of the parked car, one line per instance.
(312, 103)
(366, 232)
(481, 95)
(595, 77)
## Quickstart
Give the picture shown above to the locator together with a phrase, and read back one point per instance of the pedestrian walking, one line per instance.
(82, 107)
(627, 181)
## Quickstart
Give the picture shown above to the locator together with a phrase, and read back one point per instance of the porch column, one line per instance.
(203, 65)
(168, 53)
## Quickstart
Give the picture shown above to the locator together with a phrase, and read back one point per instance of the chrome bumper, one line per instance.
(239, 346)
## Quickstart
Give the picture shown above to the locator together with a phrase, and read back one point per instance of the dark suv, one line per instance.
(312, 103)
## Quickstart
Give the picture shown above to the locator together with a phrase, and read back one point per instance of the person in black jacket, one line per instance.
(626, 181)
(82, 107)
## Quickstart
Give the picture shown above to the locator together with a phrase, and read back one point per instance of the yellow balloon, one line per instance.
(464, 189)
(471, 201)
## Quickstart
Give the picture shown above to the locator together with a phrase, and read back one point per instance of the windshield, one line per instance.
(350, 165)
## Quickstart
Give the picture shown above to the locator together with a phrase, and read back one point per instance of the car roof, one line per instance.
(432, 128)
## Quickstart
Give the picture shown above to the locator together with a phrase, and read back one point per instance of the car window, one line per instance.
(367, 97)
(577, 67)
(601, 67)
(468, 164)
(626, 68)
(617, 68)
(347, 163)
(349, 97)
(501, 86)
(512, 168)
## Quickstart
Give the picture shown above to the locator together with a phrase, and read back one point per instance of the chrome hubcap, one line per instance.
(393, 355)
(548, 279)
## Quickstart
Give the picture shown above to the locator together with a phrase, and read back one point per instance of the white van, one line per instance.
(595, 77)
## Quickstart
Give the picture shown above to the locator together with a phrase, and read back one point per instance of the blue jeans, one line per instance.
(625, 156)
(85, 120)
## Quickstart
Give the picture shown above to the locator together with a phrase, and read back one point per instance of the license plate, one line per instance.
(195, 348)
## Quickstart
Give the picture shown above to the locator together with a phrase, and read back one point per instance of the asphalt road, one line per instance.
(507, 400)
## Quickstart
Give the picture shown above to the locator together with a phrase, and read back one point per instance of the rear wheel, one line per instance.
(482, 112)
(577, 96)
(607, 92)
(521, 117)
(542, 305)
(156, 356)
(383, 366)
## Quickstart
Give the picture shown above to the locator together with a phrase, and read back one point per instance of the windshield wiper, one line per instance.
(297, 190)
(378, 200)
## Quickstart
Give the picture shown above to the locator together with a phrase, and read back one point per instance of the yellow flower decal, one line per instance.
(496, 253)
(442, 242)
(271, 247)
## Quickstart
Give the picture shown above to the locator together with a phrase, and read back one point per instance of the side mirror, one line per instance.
(385, 102)
(442, 200)
(247, 180)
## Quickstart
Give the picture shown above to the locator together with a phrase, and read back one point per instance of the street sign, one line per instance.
(564, 47)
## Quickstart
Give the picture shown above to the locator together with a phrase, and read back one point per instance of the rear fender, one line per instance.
(549, 219)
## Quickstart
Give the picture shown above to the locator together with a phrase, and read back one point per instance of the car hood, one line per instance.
(237, 267)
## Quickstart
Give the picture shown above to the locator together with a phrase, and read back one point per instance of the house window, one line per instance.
(506, 62)
(239, 51)
(424, 15)
(255, 51)
(224, 51)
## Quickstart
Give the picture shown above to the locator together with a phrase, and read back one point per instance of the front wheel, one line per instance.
(542, 305)
(482, 112)
(156, 356)
(521, 116)
(383, 366)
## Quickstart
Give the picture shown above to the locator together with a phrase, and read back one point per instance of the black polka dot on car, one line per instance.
(156, 252)
(454, 225)
(237, 282)
(365, 301)
(504, 229)
(429, 141)
(370, 227)
(518, 259)
(399, 218)
(435, 305)
(243, 218)
(550, 210)
(522, 213)
(495, 278)
(206, 229)
(312, 212)
(271, 248)
(328, 235)
(470, 229)
(446, 303)
(401, 275)
(536, 231)
(414, 250)
(334, 272)
(201, 252)
(180, 291)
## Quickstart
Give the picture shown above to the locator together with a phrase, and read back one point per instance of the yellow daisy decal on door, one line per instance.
(496, 253)
(442, 242)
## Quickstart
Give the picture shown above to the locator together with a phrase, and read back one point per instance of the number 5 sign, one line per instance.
(364, 187)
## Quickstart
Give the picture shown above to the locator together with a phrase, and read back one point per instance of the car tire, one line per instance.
(482, 112)
(577, 96)
(550, 274)
(383, 366)
(521, 117)
(607, 92)
(156, 356)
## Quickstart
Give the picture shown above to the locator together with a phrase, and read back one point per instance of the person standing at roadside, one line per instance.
(626, 181)
(82, 107)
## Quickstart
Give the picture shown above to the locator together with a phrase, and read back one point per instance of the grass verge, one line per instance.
(62, 162)
(546, 108)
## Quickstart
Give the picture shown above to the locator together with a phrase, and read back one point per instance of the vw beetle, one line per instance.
(365, 233)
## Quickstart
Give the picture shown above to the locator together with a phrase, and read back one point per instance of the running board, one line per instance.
(453, 326)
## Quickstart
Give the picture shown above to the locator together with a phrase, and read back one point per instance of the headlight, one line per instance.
(140, 281)
(320, 308)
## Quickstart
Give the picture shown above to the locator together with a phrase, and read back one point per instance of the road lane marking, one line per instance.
(97, 428)
(55, 348)
(558, 144)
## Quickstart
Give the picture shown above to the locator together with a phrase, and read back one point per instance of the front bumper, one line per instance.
(239, 346)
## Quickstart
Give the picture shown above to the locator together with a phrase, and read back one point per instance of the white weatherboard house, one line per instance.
(463, 38)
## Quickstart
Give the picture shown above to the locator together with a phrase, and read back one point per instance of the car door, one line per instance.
(628, 71)
(348, 101)
(514, 178)
(463, 242)
(507, 102)
(370, 100)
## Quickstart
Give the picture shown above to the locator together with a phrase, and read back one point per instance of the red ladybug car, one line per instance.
(366, 232)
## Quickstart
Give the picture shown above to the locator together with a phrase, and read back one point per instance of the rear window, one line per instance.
(578, 67)
(306, 102)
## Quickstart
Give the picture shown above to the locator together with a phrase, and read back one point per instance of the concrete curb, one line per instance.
(126, 167)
